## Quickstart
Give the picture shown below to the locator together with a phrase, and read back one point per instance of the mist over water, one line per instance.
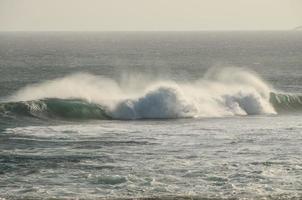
(130, 115)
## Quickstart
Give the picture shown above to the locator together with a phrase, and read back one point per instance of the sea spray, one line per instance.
(220, 92)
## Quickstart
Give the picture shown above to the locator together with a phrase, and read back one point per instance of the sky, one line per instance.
(149, 15)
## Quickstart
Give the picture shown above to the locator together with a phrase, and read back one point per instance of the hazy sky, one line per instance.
(108, 15)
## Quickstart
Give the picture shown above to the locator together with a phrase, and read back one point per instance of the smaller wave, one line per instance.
(286, 102)
(55, 108)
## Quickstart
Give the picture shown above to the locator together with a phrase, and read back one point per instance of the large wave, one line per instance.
(220, 92)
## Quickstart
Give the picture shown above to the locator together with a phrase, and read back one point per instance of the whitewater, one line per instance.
(220, 93)
(223, 92)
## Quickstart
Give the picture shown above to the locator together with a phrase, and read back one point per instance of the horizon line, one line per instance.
(222, 30)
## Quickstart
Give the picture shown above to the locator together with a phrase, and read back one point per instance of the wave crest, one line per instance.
(223, 92)
(161, 103)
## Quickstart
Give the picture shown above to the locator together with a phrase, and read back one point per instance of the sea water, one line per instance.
(151, 115)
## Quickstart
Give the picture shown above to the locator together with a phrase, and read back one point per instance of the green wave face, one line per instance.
(55, 108)
(286, 102)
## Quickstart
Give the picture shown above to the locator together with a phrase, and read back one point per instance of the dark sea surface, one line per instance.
(151, 115)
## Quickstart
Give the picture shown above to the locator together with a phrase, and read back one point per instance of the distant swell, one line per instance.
(219, 93)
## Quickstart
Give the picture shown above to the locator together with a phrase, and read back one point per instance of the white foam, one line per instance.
(161, 102)
(221, 92)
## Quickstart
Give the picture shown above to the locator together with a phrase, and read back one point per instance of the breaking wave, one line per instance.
(223, 92)
(286, 102)
(55, 108)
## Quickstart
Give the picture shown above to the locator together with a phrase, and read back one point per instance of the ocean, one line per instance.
(156, 115)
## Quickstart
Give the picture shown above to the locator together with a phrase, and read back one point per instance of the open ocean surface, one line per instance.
(151, 115)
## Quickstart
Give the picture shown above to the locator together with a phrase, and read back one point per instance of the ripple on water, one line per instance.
(107, 179)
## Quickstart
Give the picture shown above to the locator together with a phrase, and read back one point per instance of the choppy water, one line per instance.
(163, 115)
